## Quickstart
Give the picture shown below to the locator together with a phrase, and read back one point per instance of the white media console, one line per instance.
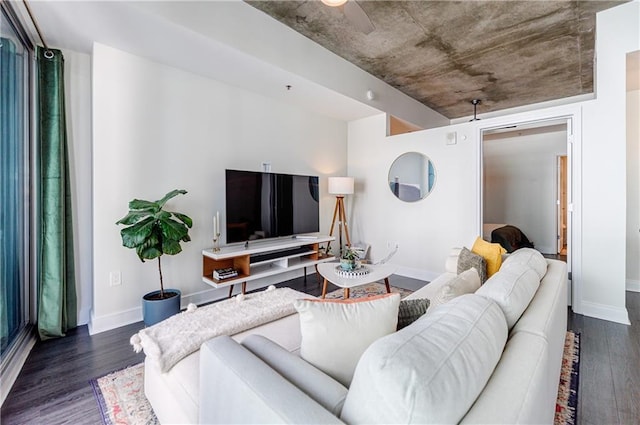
(259, 259)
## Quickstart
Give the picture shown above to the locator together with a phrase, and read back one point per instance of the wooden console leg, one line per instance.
(324, 288)
(244, 287)
(231, 290)
(386, 283)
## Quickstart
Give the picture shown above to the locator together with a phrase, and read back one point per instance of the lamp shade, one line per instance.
(341, 185)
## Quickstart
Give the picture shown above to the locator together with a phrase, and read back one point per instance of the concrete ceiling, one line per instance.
(446, 53)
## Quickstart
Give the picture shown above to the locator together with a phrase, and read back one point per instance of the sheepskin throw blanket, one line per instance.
(168, 342)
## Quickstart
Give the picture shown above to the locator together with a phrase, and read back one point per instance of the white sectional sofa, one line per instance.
(497, 354)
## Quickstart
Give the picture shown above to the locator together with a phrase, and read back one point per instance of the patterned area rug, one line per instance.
(120, 394)
(121, 398)
(567, 401)
(369, 290)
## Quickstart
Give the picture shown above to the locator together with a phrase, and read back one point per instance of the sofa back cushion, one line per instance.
(531, 258)
(512, 288)
(432, 370)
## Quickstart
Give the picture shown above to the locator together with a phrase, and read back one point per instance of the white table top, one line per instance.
(378, 272)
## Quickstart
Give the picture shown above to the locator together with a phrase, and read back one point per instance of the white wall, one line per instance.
(78, 105)
(426, 230)
(157, 128)
(604, 167)
(520, 186)
(633, 190)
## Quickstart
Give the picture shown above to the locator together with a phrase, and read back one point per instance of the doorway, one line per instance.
(562, 205)
(526, 182)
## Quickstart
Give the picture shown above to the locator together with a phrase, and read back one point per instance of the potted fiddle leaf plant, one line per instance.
(153, 231)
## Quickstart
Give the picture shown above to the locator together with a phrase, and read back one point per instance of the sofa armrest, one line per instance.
(237, 387)
(312, 381)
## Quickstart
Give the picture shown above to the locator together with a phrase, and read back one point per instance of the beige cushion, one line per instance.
(335, 333)
(466, 282)
(431, 371)
(512, 288)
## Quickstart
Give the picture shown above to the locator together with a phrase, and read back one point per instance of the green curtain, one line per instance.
(57, 310)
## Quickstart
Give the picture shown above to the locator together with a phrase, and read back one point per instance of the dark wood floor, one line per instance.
(53, 387)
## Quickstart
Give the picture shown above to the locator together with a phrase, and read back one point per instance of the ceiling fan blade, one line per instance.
(358, 17)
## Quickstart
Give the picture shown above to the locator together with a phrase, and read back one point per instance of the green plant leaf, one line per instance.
(142, 205)
(136, 234)
(133, 217)
(171, 247)
(183, 218)
(170, 195)
(173, 230)
(148, 253)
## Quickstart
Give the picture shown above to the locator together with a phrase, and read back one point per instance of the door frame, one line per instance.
(574, 201)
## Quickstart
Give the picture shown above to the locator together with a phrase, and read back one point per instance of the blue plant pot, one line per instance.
(156, 310)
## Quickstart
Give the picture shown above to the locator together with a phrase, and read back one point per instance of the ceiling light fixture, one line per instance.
(475, 102)
(334, 3)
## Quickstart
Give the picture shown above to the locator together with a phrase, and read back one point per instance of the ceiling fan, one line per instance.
(354, 13)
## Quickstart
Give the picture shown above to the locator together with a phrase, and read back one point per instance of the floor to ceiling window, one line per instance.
(15, 83)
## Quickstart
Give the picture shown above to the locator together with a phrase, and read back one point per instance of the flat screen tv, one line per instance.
(268, 205)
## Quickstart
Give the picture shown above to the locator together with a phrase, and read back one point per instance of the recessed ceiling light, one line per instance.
(334, 3)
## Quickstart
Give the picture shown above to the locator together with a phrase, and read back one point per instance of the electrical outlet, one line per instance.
(115, 278)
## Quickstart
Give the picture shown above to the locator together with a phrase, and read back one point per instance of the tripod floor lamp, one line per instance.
(340, 186)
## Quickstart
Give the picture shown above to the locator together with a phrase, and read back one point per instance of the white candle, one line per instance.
(215, 225)
(217, 222)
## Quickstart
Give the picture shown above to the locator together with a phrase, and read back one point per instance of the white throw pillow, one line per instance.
(512, 288)
(335, 333)
(531, 258)
(431, 371)
(466, 282)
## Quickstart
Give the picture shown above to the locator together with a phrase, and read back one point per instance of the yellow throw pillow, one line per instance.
(491, 252)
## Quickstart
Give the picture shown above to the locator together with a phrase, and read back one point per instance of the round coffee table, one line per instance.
(376, 272)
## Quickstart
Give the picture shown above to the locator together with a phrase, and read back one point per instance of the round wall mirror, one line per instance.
(412, 177)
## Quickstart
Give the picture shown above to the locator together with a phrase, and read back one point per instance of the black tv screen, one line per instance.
(268, 205)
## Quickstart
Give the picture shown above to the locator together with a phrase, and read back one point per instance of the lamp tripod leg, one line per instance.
(333, 223)
(343, 219)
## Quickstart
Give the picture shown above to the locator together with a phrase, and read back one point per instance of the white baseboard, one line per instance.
(633, 285)
(606, 312)
(107, 322)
